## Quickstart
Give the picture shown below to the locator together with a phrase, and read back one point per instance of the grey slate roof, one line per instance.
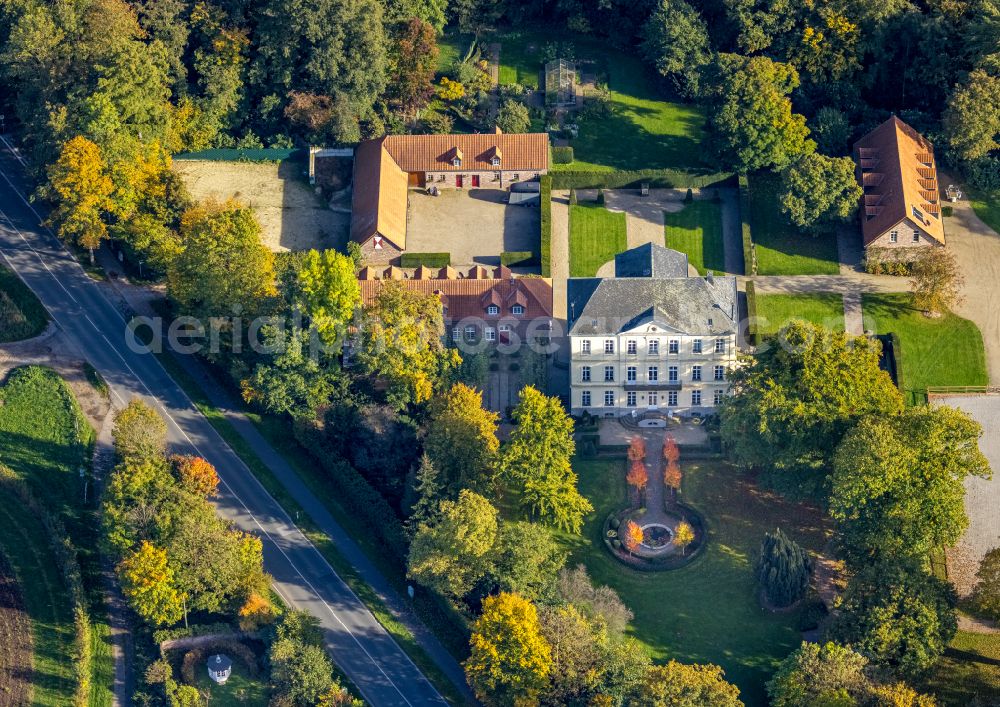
(682, 304)
(651, 260)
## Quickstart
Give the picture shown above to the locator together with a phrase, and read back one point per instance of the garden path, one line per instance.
(560, 252)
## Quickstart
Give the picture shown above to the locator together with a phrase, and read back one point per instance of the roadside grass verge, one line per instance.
(22, 316)
(946, 351)
(707, 611)
(25, 543)
(781, 248)
(969, 668)
(280, 437)
(697, 231)
(775, 311)
(596, 236)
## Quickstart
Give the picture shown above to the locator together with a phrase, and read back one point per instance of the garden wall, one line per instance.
(749, 252)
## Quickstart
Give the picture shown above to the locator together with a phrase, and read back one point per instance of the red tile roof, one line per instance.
(897, 169)
(469, 297)
(434, 153)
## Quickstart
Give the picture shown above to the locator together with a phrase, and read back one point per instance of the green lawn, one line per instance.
(22, 316)
(970, 667)
(643, 131)
(25, 543)
(706, 612)
(781, 248)
(947, 351)
(697, 231)
(987, 207)
(774, 311)
(240, 689)
(596, 235)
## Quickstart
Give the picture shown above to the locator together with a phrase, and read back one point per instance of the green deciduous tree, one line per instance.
(797, 398)
(783, 569)
(513, 117)
(509, 660)
(972, 118)
(751, 122)
(462, 440)
(454, 549)
(819, 191)
(412, 65)
(675, 40)
(899, 616)
(224, 268)
(679, 685)
(602, 603)
(148, 584)
(578, 648)
(831, 131)
(814, 673)
(81, 189)
(139, 432)
(897, 488)
(537, 461)
(937, 280)
(301, 671)
(401, 344)
(987, 593)
(295, 381)
(528, 560)
(330, 291)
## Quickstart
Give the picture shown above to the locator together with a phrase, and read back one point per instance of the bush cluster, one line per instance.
(885, 261)
(749, 262)
(430, 260)
(562, 155)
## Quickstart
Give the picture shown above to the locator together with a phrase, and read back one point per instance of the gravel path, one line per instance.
(560, 252)
(982, 496)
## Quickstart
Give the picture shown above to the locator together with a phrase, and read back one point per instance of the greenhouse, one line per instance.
(560, 83)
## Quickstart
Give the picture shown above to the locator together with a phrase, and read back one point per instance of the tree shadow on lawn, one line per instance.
(618, 141)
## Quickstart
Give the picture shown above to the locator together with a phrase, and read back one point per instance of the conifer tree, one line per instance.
(783, 569)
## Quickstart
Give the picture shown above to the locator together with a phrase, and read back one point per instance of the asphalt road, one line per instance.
(359, 645)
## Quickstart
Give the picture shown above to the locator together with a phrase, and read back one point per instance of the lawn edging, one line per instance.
(546, 224)
(69, 568)
(621, 179)
(749, 252)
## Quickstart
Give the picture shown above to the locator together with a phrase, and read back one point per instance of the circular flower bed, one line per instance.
(656, 551)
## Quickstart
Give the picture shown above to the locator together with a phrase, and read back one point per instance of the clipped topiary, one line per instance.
(600, 197)
(572, 197)
(783, 570)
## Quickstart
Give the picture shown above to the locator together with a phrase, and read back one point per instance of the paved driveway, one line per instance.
(982, 496)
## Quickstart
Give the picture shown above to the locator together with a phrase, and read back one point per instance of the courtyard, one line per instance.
(291, 215)
(475, 226)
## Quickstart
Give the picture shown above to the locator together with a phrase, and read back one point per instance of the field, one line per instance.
(774, 311)
(596, 235)
(706, 612)
(781, 248)
(947, 351)
(240, 689)
(642, 130)
(970, 667)
(25, 543)
(45, 440)
(697, 231)
(291, 216)
(15, 639)
(22, 316)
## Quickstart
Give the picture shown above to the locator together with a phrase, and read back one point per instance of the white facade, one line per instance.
(649, 367)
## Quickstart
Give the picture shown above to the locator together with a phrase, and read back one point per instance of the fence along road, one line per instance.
(360, 646)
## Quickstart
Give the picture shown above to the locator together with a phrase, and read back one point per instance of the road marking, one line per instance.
(238, 458)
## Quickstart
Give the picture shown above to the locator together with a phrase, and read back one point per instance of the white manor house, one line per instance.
(651, 337)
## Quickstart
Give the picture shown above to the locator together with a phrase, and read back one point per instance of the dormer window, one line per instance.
(493, 310)
(456, 162)
(495, 161)
(517, 309)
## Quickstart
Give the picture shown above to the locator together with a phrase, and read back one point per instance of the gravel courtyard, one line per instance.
(982, 497)
(474, 225)
(291, 215)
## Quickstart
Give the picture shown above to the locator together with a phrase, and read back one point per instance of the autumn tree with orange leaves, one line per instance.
(637, 477)
(632, 537)
(196, 475)
(671, 452)
(636, 449)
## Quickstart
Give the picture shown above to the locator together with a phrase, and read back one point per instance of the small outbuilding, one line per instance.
(560, 83)
(220, 667)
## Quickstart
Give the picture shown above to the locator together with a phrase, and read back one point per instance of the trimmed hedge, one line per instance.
(562, 155)
(753, 334)
(431, 260)
(546, 224)
(749, 256)
(656, 178)
(519, 257)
